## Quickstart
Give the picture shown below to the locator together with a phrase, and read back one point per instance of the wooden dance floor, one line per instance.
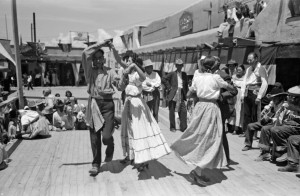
(59, 166)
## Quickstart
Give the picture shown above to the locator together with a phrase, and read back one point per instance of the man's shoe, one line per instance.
(246, 148)
(289, 168)
(263, 157)
(94, 170)
(283, 158)
(173, 130)
(108, 158)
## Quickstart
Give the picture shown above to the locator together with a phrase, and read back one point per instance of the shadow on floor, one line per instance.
(155, 170)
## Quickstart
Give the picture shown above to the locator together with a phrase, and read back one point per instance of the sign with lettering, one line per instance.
(186, 23)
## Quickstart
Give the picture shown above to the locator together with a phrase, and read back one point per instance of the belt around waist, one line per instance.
(101, 99)
(139, 95)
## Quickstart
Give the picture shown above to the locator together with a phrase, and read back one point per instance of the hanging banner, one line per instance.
(80, 36)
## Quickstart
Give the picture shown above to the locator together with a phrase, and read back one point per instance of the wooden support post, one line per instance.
(17, 53)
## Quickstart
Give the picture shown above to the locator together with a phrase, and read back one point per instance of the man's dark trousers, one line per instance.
(154, 104)
(182, 113)
(107, 108)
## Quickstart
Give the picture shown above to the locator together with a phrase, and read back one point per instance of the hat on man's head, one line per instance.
(179, 62)
(295, 91)
(276, 92)
(26, 108)
(147, 63)
(232, 62)
(31, 104)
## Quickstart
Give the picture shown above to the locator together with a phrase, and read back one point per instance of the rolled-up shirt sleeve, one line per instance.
(264, 79)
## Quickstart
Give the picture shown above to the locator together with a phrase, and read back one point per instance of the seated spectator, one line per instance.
(39, 127)
(58, 123)
(231, 19)
(268, 118)
(231, 67)
(13, 125)
(70, 99)
(57, 95)
(3, 154)
(49, 98)
(291, 125)
(69, 118)
(81, 121)
(258, 7)
(293, 151)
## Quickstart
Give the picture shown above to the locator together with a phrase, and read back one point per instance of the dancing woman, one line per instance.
(201, 143)
(142, 139)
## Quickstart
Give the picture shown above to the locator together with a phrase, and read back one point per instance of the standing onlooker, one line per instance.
(201, 144)
(177, 86)
(254, 87)
(29, 81)
(231, 67)
(236, 120)
(150, 88)
(258, 7)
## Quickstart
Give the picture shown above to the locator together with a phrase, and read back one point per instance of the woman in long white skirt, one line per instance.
(201, 143)
(142, 139)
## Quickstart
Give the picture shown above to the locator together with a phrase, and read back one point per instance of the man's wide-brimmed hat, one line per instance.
(232, 62)
(276, 92)
(147, 63)
(295, 91)
(179, 62)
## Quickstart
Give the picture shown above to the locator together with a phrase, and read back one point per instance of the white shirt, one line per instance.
(153, 79)
(258, 76)
(179, 79)
(207, 86)
(29, 78)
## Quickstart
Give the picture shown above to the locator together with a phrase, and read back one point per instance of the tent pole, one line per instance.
(17, 53)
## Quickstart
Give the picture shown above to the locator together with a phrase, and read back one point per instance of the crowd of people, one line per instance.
(232, 99)
(39, 118)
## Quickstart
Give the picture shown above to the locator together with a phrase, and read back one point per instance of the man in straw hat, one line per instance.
(151, 88)
(177, 86)
(230, 67)
(101, 108)
(268, 119)
(290, 126)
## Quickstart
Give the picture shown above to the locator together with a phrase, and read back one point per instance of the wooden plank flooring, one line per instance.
(59, 166)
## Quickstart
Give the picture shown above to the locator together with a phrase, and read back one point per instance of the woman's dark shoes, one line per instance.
(200, 180)
(142, 167)
(126, 160)
(94, 171)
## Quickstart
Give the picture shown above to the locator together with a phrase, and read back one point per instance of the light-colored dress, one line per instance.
(142, 139)
(201, 144)
(237, 118)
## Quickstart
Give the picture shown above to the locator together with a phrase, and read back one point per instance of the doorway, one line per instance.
(288, 72)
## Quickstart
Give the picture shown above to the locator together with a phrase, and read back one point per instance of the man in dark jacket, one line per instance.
(225, 103)
(177, 86)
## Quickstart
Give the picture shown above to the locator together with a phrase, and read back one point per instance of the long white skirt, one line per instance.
(141, 137)
(201, 143)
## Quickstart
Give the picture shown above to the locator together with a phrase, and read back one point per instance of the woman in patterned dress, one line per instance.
(142, 139)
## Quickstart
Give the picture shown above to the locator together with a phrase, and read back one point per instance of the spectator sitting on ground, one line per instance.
(13, 125)
(70, 98)
(81, 121)
(57, 95)
(3, 153)
(39, 127)
(69, 118)
(49, 98)
(58, 123)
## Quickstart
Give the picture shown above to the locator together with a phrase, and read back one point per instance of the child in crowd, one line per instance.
(69, 119)
(70, 99)
(3, 153)
(81, 121)
(58, 123)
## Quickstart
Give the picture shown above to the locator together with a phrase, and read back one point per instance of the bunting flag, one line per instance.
(65, 47)
(80, 36)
